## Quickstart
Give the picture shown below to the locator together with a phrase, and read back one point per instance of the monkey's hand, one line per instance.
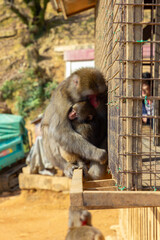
(73, 142)
(104, 157)
(69, 169)
(84, 167)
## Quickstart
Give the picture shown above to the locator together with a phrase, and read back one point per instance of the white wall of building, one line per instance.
(72, 66)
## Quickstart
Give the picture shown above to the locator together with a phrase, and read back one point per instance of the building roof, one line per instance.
(79, 55)
(71, 7)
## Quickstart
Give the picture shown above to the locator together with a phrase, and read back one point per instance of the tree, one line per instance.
(33, 15)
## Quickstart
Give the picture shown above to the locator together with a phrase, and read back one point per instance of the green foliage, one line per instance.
(50, 86)
(8, 89)
(30, 92)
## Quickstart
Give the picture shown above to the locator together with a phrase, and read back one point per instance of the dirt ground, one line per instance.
(43, 215)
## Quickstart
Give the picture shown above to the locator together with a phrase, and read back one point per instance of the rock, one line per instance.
(8, 33)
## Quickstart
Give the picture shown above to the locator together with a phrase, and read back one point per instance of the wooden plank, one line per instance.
(138, 223)
(126, 217)
(132, 222)
(26, 170)
(74, 6)
(76, 189)
(141, 223)
(158, 223)
(123, 222)
(111, 188)
(150, 221)
(129, 223)
(149, 224)
(99, 183)
(135, 223)
(146, 223)
(36, 181)
(100, 199)
(154, 223)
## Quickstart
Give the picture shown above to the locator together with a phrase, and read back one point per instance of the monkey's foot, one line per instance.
(68, 171)
(97, 171)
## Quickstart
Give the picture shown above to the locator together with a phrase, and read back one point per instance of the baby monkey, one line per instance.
(80, 227)
(84, 120)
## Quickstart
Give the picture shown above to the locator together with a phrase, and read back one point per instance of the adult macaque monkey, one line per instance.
(80, 227)
(85, 121)
(84, 84)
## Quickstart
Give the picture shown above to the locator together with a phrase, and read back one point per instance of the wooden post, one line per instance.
(129, 87)
(137, 106)
(76, 191)
(156, 85)
(133, 52)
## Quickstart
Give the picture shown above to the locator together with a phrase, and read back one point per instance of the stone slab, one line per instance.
(35, 181)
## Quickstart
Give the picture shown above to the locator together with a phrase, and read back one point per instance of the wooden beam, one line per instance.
(76, 196)
(36, 181)
(54, 5)
(111, 188)
(109, 200)
(99, 183)
(63, 8)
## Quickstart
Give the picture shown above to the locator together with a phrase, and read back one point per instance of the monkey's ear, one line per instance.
(75, 79)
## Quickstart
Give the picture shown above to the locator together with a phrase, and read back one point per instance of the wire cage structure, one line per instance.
(128, 54)
(127, 51)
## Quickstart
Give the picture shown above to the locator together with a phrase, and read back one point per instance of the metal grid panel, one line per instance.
(127, 45)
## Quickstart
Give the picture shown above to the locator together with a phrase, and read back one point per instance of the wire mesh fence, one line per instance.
(128, 53)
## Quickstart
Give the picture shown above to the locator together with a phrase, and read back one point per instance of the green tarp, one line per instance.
(12, 126)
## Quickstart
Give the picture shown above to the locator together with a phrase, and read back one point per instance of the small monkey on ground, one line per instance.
(85, 84)
(80, 226)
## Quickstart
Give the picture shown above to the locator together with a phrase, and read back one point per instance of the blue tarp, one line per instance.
(12, 126)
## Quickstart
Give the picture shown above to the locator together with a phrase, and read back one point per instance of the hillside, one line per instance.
(60, 34)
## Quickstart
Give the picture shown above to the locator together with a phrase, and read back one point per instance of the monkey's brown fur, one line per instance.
(86, 123)
(57, 131)
(69, 157)
(80, 227)
(84, 233)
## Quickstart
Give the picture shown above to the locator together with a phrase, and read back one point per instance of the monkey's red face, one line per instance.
(84, 223)
(72, 115)
(94, 100)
